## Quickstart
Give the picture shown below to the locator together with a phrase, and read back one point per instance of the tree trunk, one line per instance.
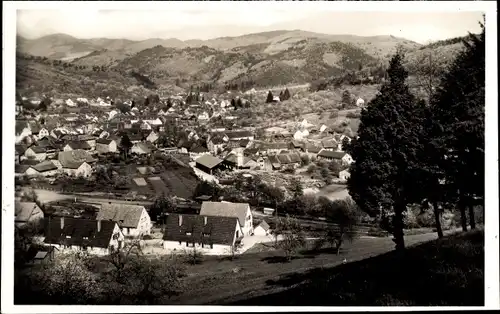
(472, 218)
(463, 217)
(398, 226)
(437, 216)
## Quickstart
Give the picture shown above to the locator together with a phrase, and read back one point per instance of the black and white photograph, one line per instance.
(273, 154)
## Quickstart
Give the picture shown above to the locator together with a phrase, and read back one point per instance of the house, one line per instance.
(27, 212)
(208, 163)
(310, 149)
(43, 133)
(74, 145)
(268, 211)
(36, 152)
(79, 234)
(105, 146)
(152, 137)
(300, 134)
(295, 145)
(344, 175)
(209, 234)
(76, 162)
(143, 148)
(133, 220)
(262, 229)
(239, 161)
(43, 256)
(239, 135)
(289, 160)
(331, 145)
(274, 148)
(226, 209)
(271, 163)
(89, 139)
(46, 168)
(197, 151)
(343, 157)
(216, 144)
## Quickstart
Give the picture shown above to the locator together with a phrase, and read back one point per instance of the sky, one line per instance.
(192, 23)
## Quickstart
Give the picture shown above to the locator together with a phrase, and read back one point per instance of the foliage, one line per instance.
(193, 256)
(125, 145)
(295, 187)
(161, 206)
(386, 153)
(288, 235)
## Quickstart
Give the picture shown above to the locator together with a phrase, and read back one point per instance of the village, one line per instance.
(168, 147)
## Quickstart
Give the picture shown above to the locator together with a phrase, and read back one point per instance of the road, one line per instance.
(280, 88)
(46, 196)
(254, 283)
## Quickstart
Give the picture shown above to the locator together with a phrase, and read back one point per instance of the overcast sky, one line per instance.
(206, 24)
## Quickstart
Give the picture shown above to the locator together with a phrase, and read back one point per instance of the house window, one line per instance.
(206, 234)
(188, 233)
(85, 238)
(180, 242)
(211, 246)
(68, 237)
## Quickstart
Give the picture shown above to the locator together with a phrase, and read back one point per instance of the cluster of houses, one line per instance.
(216, 229)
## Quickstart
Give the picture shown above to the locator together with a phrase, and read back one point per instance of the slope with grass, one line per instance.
(447, 272)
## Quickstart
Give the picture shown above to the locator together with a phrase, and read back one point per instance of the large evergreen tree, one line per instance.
(458, 126)
(386, 152)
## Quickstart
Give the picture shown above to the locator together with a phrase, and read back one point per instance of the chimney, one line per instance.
(62, 222)
(99, 225)
(180, 220)
(205, 220)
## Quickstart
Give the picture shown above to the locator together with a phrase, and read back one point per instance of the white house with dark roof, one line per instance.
(216, 235)
(97, 237)
(76, 162)
(46, 168)
(227, 209)
(343, 157)
(208, 163)
(262, 229)
(133, 220)
(36, 152)
(104, 145)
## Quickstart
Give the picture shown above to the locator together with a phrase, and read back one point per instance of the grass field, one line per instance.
(448, 272)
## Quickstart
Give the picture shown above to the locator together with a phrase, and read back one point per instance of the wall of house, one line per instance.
(137, 150)
(67, 148)
(247, 228)
(218, 249)
(33, 172)
(143, 227)
(30, 153)
(152, 137)
(259, 231)
(85, 170)
(91, 143)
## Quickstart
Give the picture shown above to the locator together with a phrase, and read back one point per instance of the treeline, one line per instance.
(428, 152)
(144, 80)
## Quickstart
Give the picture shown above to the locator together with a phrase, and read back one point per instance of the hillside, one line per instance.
(256, 60)
(448, 272)
(59, 46)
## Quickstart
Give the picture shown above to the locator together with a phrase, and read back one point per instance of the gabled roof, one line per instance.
(208, 161)
(296, 144)
(218, 230)
(20, 126)
(124, 215)
(198, 149)
(238, 134)
(21, 168)
(79, 145)
(24, 210)
(329, 143)
(311, 148)
(146, 147)
(330, 154)
(264, 225)
(46, 165)
(77, 229)
(38, 149)
(103, 141)
(225, 209)
(74, 159)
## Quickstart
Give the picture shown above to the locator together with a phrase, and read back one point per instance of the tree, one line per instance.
(296, 188)
(161, 205)
(286, 94)
(346, 99)
(125, 145)
(67, 280)
(124, 108)
(233, 103)
(386, 152)
(344, 214)
(291, 234)
(269, 98)
(239, 103)
(44, 104)
(457, 109)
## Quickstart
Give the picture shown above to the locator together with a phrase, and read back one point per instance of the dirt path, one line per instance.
(254, 277)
